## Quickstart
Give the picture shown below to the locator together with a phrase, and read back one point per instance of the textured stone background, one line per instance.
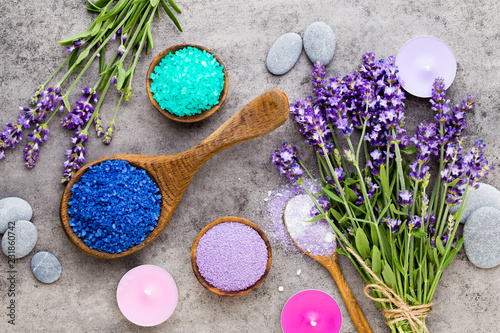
(235, 181)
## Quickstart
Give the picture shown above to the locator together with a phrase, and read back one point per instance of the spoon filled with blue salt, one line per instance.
(317, 241)
(173, 173)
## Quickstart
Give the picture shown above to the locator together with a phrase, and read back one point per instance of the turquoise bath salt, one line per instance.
(187, 82)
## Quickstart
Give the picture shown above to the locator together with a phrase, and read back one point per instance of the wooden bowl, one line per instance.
(208, 286)
(77, 241)
(187, 119)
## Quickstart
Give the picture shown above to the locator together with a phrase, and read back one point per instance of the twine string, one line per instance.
(412, 314)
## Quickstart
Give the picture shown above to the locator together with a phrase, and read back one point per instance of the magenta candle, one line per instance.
(311, 311)
(147, 295)
(421, 60)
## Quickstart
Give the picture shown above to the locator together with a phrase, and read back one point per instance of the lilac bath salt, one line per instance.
(114, 206)
(231, 256)
(314, 237)
(276, 202)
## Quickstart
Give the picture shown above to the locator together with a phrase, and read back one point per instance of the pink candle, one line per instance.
(147, 295)
(311, 311)
(421, 60)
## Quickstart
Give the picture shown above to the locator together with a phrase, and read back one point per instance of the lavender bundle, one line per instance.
(398, 233)
(128, 24)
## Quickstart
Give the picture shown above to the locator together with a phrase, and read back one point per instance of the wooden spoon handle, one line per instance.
(262, 115)
(357, 316)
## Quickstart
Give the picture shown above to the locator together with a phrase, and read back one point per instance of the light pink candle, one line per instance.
(421, 60)
(311, 311)
(147, 295)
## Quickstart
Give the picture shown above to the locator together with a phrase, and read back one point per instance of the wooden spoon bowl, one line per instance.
(173, 173)
(215, 290)
(188, 119)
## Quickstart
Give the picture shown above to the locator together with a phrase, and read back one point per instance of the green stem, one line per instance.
(57, 70)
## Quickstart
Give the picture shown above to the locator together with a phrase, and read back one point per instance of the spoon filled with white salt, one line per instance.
(317, 241)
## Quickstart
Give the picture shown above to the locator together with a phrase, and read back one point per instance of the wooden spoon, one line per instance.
(173, 173)
(332, 265)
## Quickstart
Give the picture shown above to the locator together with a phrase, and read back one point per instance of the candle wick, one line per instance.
(427, 68)
(147, 292)
(313, 323)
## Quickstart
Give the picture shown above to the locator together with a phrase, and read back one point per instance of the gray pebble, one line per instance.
(46, 267)
(13, 209)
(284, 53)
(20, 240)
(485, 196)
(319, 43)
(482, 237)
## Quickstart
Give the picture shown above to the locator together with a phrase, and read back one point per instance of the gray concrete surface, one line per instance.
(236, 181)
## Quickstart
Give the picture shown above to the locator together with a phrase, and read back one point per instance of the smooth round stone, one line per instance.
(482, 237)
(485, 196)
(319, 43)
(23, 238)
(13, 209)
(46, 267)
(284, 53)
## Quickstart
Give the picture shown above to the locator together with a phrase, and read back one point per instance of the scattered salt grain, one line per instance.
(280, 288)
(299, 271)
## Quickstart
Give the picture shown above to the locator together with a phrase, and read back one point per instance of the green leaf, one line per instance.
(174, 6)
(82, 56)
(150, 38)
(431, 271)
(96, 29)
(389, 277)
(398, 265)
(66, 103)
(376, 261)
(409, 150)
(336, 215)
(374, 234)
(440, 246)
(411, 298)
(332, 195)
(69, 40)
(350, 181)
(350, 194)
(170, 14)
(396, 211)
(362, 243)
(154, 3)
(102, 62)
(419, 233)
(384, 181)
(72, 60)
(435, 256)
(121, 76)
(453, 183)
(459, 244)
(450, 258)
(99, 4)
(316, 218)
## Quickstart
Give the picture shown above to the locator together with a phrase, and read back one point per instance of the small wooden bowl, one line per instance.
(77, 241)
(188, 119)
(208, 286)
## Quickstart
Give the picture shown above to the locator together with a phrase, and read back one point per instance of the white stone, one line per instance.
(319, 43)
(13, 209)
(284, 53)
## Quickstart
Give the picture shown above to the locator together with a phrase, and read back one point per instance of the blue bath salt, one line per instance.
(114, 206)
(187, 82)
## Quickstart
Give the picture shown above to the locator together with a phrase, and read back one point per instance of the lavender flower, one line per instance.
(287, 161)
(84, 109)
(393, 224)
(76, 45)
(98, 125)
(75, 155)
(10, 136)
(108, 136)
(121, 50)
(413, 222)
(405, 198)
(36, 138)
